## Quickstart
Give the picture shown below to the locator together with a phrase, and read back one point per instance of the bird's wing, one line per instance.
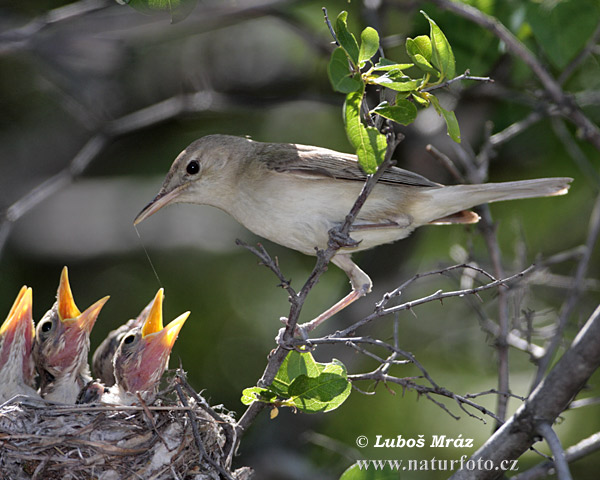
(316, 161)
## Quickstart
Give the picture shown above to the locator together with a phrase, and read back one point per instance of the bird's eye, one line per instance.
(129, 339)
(193, 167)
(46, 326)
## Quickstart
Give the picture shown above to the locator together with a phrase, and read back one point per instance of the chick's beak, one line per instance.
(162, 199)
(154, 320)
(158, 345)
(16, 302)
(66, 303)
(152, 355)
(86, 320)
(18, 331)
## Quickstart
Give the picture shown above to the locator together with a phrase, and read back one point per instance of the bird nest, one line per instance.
(177, 437)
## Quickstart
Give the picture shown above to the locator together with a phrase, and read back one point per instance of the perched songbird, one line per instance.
(142, 357)
(16, 342)
(102, 361)
(62, 345)
(294, 194)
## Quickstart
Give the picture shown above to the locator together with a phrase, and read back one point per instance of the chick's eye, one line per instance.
(129, 339)
(46, 327)
(193, 167)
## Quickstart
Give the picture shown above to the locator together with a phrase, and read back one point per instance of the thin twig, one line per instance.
(438, 295)
(196, 433)
(464, 76)
(575, 452)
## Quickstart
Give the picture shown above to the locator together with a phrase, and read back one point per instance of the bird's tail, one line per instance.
(449, 204)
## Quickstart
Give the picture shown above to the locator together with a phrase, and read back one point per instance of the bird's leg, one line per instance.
(361, 285)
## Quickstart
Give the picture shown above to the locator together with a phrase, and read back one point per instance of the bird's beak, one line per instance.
(85, 321)
(64, 297)
(19, 318)
(156, 346)
(69, 314)
(161, 342)
(17, 301)
(162, 199)
(154, 321)
(18, 329)
(152, 356)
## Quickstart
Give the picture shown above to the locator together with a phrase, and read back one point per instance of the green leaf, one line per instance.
(339, 73)
(369, 144)
(441, 56)
(395, 80)
(386, 67)
(420, 45)
(179, 9)
(420, 100)
(354, 472)
(452, 125)
(369, 45)
(346, 39)
(404, 112)
(257, 394)
(323, 393)
(562, 28)
(294, 365)
(449, 118)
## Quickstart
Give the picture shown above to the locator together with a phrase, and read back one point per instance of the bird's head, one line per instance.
(143, 353)
(16, 338)
(63, 335)
(204, 173)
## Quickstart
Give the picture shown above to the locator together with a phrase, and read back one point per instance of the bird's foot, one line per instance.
(299, 332)
(341, 240)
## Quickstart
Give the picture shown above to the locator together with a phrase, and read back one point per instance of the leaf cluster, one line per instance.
(304, 384)
(353, 67)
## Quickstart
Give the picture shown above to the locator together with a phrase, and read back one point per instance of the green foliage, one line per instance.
(352, 68)
(304, 384)
(441, 52)
(562, 28)
(178, 9)
(340, 77)
(367, 141)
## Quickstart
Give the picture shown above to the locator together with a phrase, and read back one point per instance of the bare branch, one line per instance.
(464, 76)
(546, 402)
(439, 295)
(583, 448)
(560, 462)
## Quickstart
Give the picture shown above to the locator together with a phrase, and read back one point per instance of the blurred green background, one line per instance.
(259, 68)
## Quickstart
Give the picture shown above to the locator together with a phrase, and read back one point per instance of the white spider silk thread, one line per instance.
(148, 256)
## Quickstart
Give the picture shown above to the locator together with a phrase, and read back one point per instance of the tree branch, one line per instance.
(546, 402)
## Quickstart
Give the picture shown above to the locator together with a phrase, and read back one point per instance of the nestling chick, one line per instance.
(62, 345)
(294, 195)
(16, 342)
(143, 356)
(102, 361)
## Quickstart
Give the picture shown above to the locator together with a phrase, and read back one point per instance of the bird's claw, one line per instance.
(340, 239)
(299, 331)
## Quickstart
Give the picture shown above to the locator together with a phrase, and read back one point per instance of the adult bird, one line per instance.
(102, 360)
(142, 357)
(62, 344)
(17, 372)
(295, 194)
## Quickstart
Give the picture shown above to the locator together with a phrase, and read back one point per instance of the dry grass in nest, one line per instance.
(178, 437)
